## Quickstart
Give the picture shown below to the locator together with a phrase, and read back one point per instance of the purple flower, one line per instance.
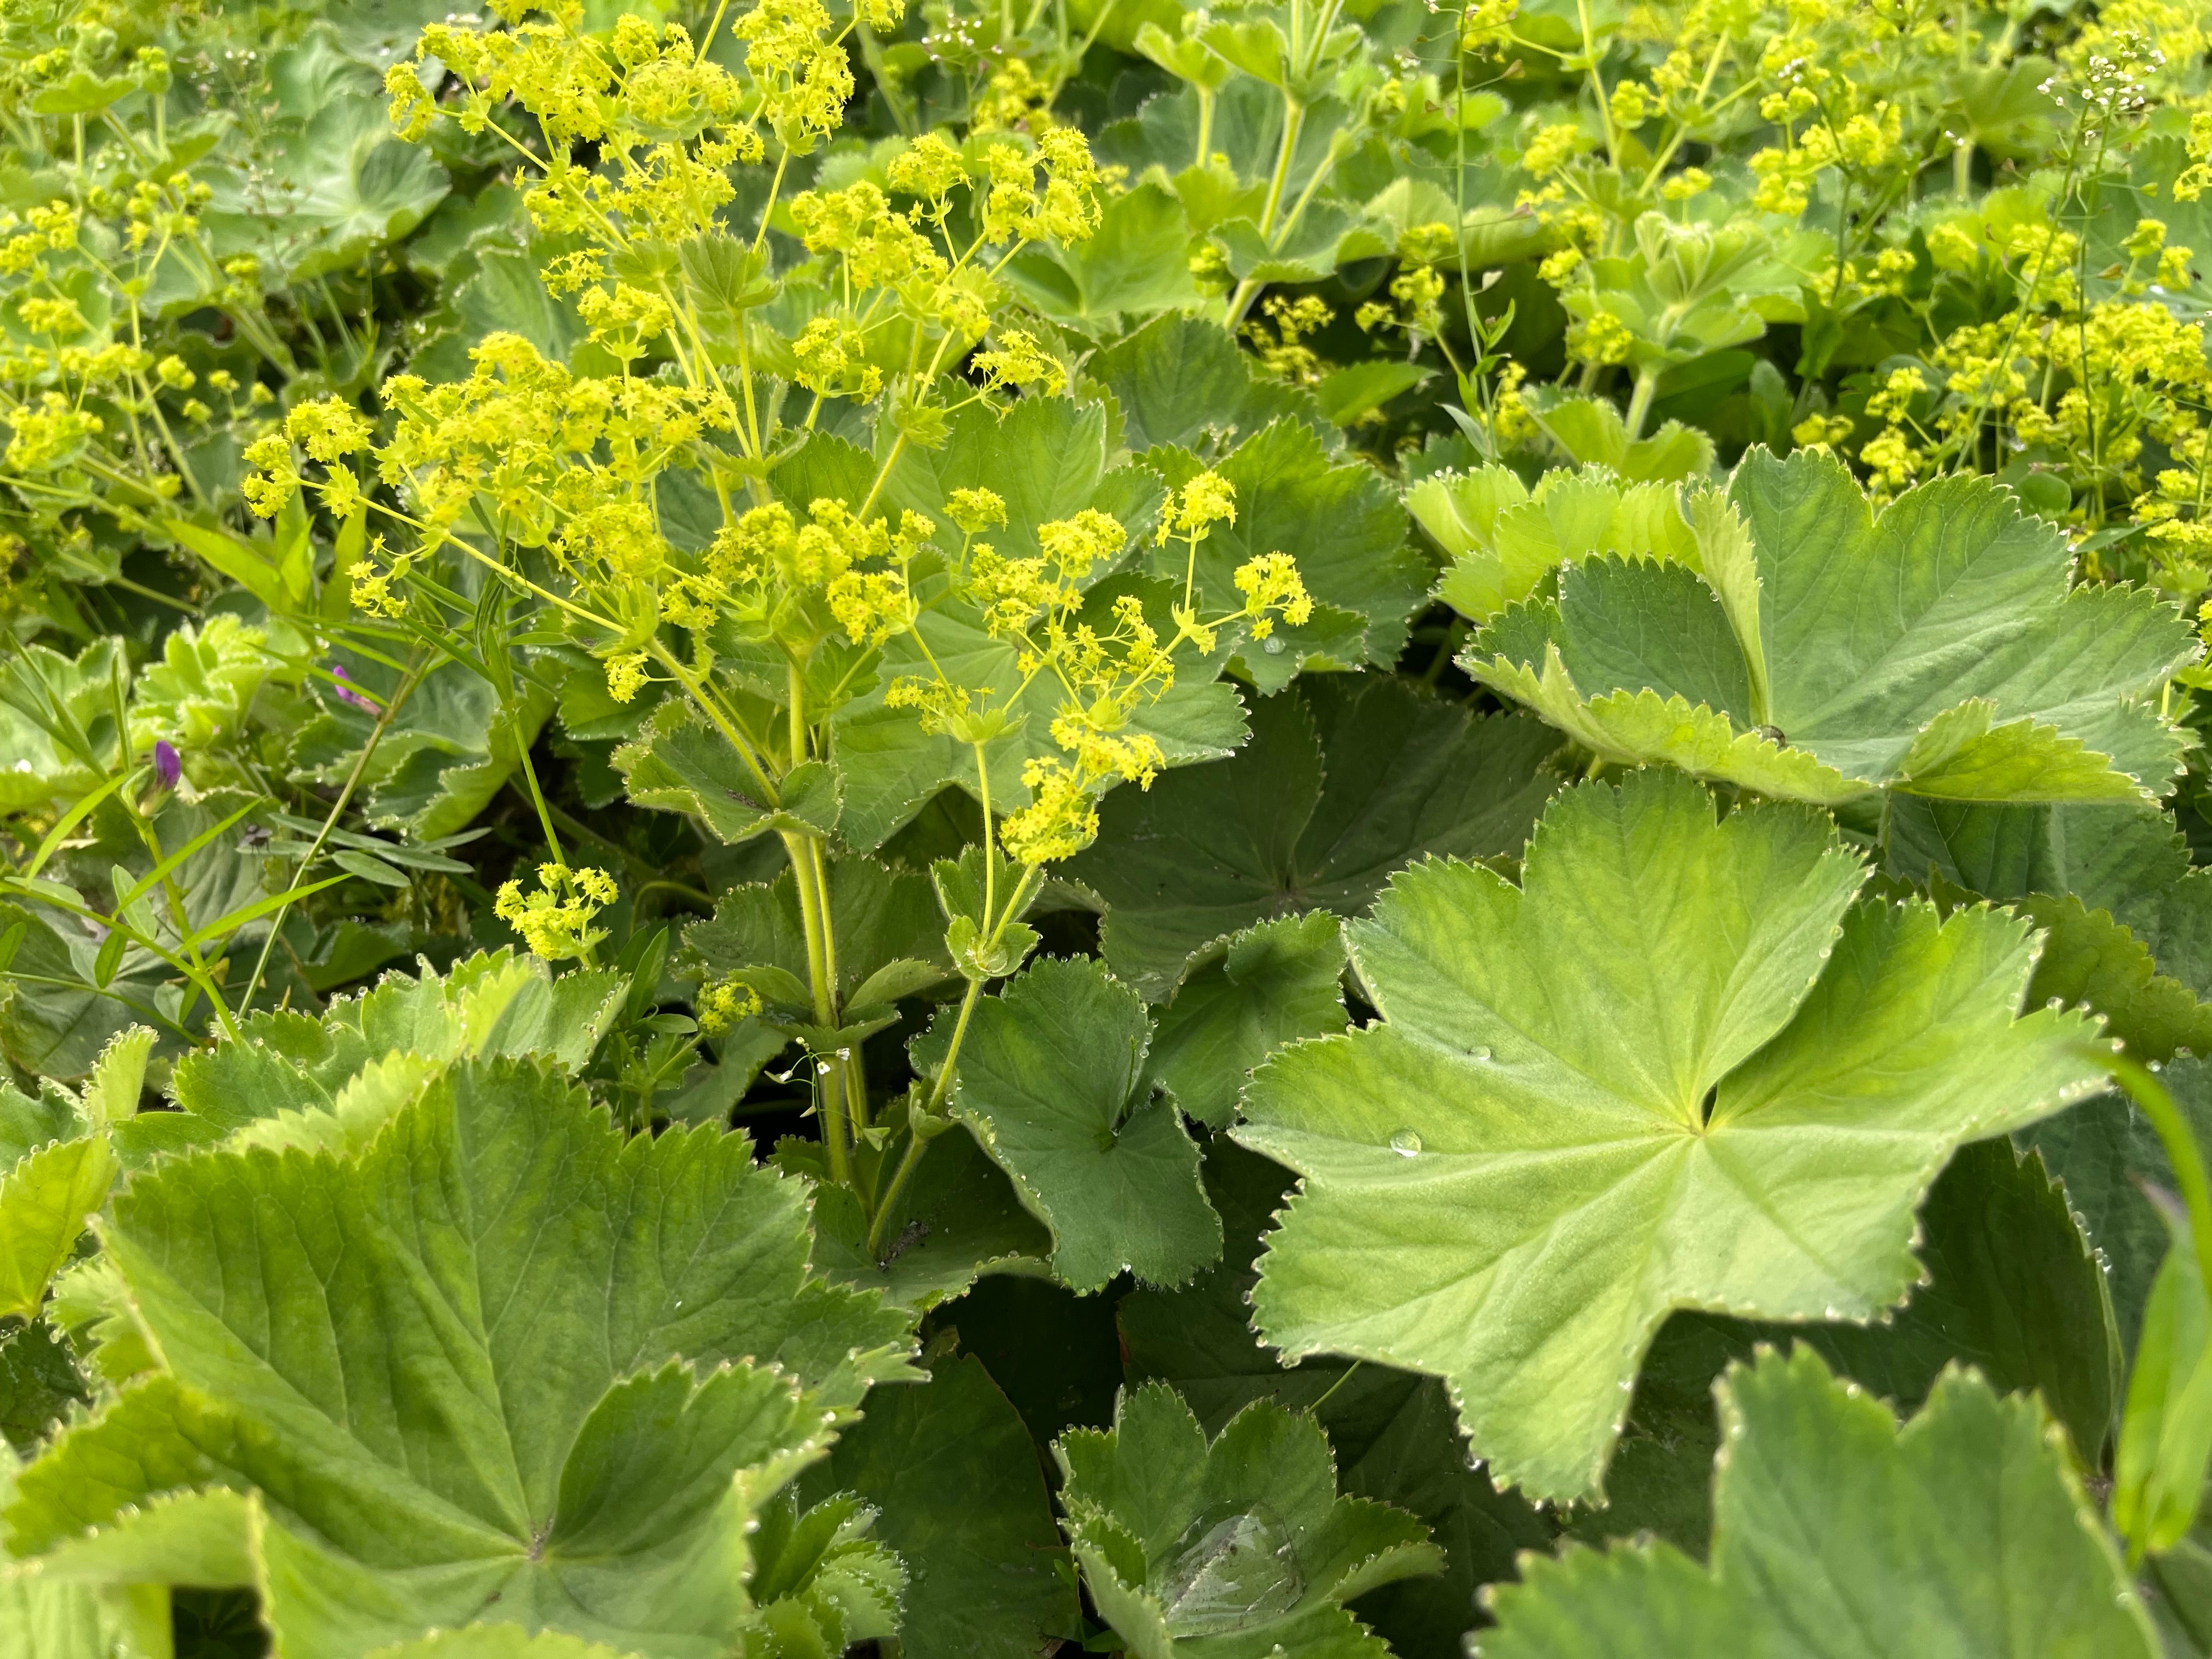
(346, 693)
(167, 768)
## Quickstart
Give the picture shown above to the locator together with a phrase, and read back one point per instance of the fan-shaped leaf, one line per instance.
(1052, 1082)
(1345, 781)
(1675, 1067)
(1935, 650)
(613, 1353)
(1238, 1546)
(1836, 1533)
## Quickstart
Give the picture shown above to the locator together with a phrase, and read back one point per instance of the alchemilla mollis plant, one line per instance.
(1096, 826)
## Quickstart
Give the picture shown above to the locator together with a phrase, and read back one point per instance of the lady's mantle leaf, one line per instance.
(1345, 781)
(962, 1500)
(889, 766)
(1276, 983)
(1052, 1083)
(1676, 1067)
(680, 765)
(500, 1362)
(2013, 1288)
(1183, 382)
(1817, 652)
(1836, 1533)
(496, 1642)
(889, 930)
(1240, 1548)
(297, 1080)
(1503, 540)
(1340, 523)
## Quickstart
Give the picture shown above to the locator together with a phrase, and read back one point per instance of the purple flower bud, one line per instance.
(346, 693)
(167, 768)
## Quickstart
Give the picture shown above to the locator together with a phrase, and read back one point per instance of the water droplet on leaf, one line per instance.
(1406, 1144)
(1231, 1568)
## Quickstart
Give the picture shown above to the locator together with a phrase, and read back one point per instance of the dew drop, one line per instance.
(1834, 1312)
(1231, 1568)
(1272, 645)
(1478, 1054)
(1406, 1144)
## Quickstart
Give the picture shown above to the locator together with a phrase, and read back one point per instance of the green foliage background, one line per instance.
(1326, 829)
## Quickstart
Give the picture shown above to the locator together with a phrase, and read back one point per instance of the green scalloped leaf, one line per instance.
(1276, 983)
(1337, 518)
(614, 1351)
(891, 766)
(1964, 1533)
(1506, 541)
(1345, 781)
(889, 930)
(962, 1497)
(681, 764)
(1936, 649)
(1236, 1547)
(2090, 959)
(1676, 1067)
(1052, 1084)
(292, 1079)
(1184, 383)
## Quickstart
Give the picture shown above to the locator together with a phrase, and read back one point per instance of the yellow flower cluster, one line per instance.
(1205, 500)
(554, 918)
(535, 443)
(1283, 350)
(766, 567)
(726, 1004)
(1050, 193)
(626, 675)
(1604, 338)
(373, 578)
(49, 433)
(1020, 360)
(1271, 585)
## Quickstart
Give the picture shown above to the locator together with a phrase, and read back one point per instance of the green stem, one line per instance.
(915, 1143)
(2181, 1150)
(1015, 903)
(812, 925)
(1639, 401)
(414, 678)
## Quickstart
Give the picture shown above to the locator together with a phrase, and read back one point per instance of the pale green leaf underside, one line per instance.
(1235, 1548)
(496, 1642)
(1504, 541)
(681, 764)
(1838, 1535)
(45, 1202)
(286, 1082)
(1935, 650)
(1678, 1067)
